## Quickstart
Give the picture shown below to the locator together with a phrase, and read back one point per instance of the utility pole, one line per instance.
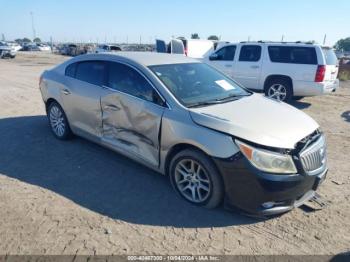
(33, 28)
(248, 38)
(140, 40)
(282, 38)
(324, 39)
(3, 37)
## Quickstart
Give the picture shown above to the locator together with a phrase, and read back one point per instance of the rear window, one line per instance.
(331, 58)
(91, 71)
(250, 53)
(70, 70)
(293, 54)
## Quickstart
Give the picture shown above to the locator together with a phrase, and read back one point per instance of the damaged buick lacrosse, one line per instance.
(216, 140)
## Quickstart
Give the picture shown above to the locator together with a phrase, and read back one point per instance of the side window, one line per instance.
(92, 72)
(293, 54)
(250, 53)
(127, 80)
(226, 53)
(70, 70)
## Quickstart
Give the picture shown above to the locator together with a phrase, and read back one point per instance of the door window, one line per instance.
(127, 80)
(250, 53)
(226, 53)
(92, 72)
(70, 70)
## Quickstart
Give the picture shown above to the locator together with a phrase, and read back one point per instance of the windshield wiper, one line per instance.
(218, 100)
(204, 103)
(230, 97)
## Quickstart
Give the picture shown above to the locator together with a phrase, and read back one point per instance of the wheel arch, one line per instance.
(270, 78)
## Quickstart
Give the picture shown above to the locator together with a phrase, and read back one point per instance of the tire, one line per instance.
(279, 89)
(58, 122)
(204, 188)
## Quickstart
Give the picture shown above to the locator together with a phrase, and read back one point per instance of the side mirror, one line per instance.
(213, 57)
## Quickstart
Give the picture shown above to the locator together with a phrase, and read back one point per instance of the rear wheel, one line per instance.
(279, 89)
(196, 179)
(58, 122)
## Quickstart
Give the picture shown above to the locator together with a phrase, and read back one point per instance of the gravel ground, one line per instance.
(79, 198)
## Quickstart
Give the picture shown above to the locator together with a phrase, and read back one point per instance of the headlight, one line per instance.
(267, 161)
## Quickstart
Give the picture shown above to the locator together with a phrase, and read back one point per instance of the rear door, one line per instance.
(331, 64)
(131, 113)
(248, 66)
(177, 46)
(161, 46)
(81, 96)
(223, 59)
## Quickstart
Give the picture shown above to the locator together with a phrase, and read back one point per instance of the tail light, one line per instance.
(320, 73)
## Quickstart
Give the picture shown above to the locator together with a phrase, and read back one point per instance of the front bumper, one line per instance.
(263, 194)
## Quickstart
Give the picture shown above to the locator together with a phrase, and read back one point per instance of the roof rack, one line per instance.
(279, 42)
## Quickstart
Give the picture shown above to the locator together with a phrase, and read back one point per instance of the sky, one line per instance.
(132, 20)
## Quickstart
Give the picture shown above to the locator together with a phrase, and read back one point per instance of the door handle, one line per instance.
(254, 66)
(66, 91)
(228, 65)
(112, 107)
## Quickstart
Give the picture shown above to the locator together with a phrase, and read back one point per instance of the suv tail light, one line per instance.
(320, 73)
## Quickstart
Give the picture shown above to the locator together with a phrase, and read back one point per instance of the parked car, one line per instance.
(282, 70)
(215, 139)
(43, 47)
(107, 48)
(195, 48)
(30, 48)
(7, 51)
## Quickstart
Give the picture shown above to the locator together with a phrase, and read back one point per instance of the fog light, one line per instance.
(268, 204)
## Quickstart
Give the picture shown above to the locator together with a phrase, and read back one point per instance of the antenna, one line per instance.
(324, 39)
(33, 28)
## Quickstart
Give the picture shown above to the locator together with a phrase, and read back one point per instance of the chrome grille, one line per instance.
(313, 158)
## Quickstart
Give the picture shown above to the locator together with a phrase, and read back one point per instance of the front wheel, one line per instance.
(279, 89)
(58, 122)
(196, 179)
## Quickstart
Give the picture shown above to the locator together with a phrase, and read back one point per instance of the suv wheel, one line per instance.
(280, 90)
(58, 121)
(195, 178)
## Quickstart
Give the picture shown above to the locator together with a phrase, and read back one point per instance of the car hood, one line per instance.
(257, 119)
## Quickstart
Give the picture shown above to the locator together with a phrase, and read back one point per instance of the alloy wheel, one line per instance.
(192, 181)
(57, 121)
(278, 92)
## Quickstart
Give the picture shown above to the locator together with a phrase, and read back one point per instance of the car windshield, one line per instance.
(198, 84)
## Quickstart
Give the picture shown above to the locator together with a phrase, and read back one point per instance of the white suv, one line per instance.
(282, 70)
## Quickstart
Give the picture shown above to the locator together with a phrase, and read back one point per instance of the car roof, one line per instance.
(146, 58)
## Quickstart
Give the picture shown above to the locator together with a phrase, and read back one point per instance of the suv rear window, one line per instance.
(331, 58)
(250, 53)
(293, 54)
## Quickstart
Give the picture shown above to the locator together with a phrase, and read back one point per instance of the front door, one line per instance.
(131, 113)
(223, 59)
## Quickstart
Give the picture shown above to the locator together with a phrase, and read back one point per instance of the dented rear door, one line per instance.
(130, 120)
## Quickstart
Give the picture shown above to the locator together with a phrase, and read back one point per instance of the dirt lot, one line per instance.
(78, 198)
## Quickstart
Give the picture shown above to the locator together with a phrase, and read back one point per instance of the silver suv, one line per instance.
(215, 139)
